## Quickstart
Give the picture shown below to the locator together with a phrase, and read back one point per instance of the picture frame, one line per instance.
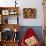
(5, 12)
(13, 12)
(5, 19)
(29, 12)
(9, 34)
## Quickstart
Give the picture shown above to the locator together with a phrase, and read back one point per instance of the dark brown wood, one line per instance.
(9, 43)
(0, 27)
(0, 43)
(16, 9)
(10, 26)
(9, 8)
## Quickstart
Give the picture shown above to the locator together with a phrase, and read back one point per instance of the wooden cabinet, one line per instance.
(10, 43)
(7, 13)
(9, 26)
(44, 21)
(45, 13)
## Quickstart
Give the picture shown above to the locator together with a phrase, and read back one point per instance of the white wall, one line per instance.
(27, 4)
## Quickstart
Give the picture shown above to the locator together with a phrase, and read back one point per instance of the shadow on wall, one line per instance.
(37, 29)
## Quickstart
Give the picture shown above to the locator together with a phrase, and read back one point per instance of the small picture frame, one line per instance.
(29, 13)
(13, 12)
(5, 12)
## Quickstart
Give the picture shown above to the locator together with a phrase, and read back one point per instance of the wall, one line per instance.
(27, 4)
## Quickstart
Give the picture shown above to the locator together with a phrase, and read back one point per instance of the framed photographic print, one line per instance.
(29, 13)
(5, 12)
(13, 12)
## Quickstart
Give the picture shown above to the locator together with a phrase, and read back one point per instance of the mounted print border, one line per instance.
(29, 12)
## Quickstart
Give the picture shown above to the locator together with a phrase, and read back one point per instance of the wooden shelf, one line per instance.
(9, 43)
(11, 26)
(8, 11)
(5, 12)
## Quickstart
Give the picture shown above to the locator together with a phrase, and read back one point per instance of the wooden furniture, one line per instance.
(44, 35)
(0, 43)
(44, 4)
(7, 25)
(10, 26)
(10, 43)
(6, 12)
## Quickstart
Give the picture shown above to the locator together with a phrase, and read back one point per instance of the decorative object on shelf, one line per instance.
(9, 11)
(6, 21)
(15, 37)
(13, 12)
(5, 12)
(29, 13)
(15, 3)
(15, 34)
(7, 34)
(15, 30)
(0, 12)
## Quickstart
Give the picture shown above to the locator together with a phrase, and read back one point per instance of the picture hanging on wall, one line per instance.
(29, 13)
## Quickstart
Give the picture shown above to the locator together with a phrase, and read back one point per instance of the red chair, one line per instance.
(29, 33)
